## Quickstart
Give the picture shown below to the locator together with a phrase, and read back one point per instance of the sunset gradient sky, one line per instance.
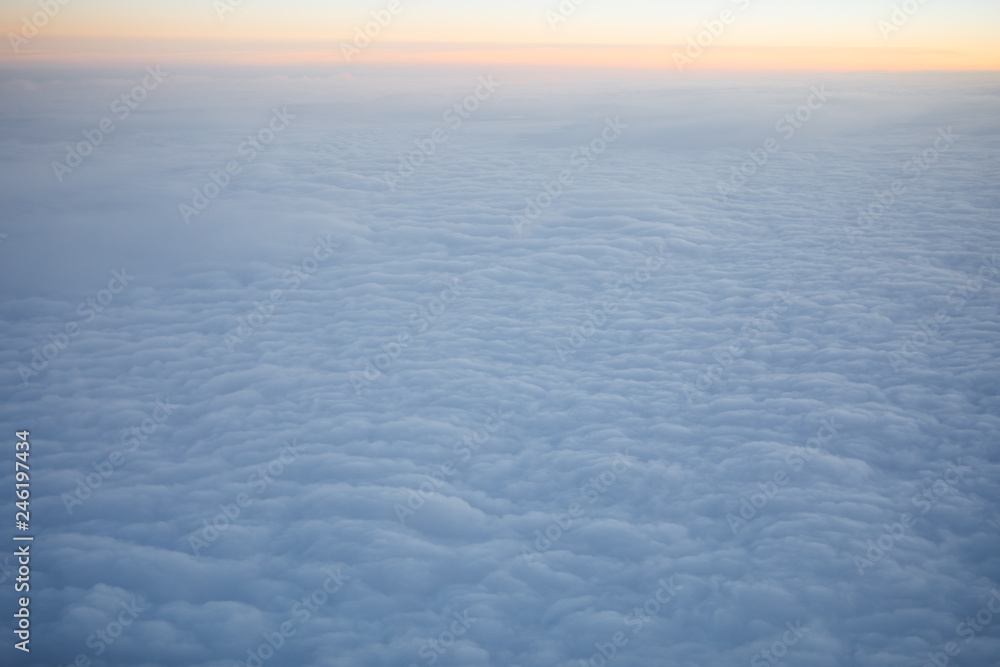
(762, 34)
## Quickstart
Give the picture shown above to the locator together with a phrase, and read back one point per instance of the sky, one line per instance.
(756, 35)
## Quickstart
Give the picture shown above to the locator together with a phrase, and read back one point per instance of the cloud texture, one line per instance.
(364, 425)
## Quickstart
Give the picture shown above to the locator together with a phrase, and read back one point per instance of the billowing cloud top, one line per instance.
(496, 368)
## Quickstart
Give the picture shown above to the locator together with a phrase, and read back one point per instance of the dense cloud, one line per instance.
(658, 419)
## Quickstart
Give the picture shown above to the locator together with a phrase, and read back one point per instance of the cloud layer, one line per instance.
(654, 426)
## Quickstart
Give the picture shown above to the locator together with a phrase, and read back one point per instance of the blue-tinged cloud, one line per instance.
(334, 423)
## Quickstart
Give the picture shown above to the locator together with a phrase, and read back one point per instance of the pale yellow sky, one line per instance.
(777, 34)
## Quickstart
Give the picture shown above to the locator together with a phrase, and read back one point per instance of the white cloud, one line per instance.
(361, 454)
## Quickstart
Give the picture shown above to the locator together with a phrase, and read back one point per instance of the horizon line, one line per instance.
(653, 56)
